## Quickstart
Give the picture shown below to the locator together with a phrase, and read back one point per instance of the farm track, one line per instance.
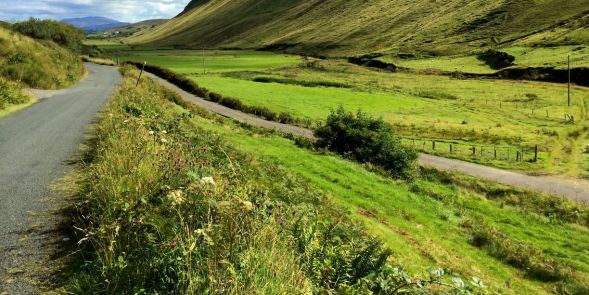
(574, 189)
(36, 146)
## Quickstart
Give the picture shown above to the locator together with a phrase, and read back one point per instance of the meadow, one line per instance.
(436, 220)
(524, 57)
(503, 115)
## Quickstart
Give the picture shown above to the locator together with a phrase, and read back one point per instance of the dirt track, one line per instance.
(573, 189)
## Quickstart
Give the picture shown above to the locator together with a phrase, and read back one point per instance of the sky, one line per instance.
(121, 10)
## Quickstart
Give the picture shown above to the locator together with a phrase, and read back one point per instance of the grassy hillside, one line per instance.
(37, 63)
(232, 210)
(346, 27)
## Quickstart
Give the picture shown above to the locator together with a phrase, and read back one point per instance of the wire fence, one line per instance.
(457, 149)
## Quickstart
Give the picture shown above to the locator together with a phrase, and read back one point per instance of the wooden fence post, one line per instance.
(433, 145)
(450, 148)
(495, 153)
(141, 73)
(536, 153)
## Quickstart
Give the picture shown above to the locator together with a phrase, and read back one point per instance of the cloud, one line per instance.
(122, 10)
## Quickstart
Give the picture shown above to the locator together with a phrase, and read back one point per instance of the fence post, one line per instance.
(474, 151)
(495, 153)
(141, 73)
(450, 148)
(433, 145)
(536, 153)
(517, 156)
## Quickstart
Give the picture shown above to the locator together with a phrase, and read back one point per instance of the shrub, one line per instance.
(496, 59)
(365, 140)
(63, 34)
(11, 93)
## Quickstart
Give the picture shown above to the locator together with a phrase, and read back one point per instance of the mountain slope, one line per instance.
(359, 26)
(94, 23)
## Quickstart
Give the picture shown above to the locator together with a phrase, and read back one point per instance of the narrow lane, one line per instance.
(35, 145)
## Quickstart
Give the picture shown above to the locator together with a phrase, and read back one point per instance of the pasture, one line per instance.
(481, 113)
(424, 222)
(524, 57)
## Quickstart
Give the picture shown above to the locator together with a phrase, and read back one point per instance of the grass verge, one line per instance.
(167, 207)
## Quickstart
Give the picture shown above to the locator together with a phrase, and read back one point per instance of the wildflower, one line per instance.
(207, 180)
(176, 197)
(164, 132)
(163, 140)
(248, 205)
(151, 132)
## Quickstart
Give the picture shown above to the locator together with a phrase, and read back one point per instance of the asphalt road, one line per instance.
(574, 189)
(35, 146)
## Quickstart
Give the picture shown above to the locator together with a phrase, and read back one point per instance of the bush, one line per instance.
(11, 93)
(496, 59)
(63, 34)
(365, 140)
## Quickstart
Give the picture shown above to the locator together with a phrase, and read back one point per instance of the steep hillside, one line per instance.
(37, 63)
(358, 26)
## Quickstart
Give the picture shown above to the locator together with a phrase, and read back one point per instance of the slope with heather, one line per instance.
(345, 27)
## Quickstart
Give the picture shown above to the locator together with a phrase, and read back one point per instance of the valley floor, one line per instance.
(501, 119)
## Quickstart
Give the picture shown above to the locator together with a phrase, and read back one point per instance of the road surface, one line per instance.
(35, 145)
(573, 189)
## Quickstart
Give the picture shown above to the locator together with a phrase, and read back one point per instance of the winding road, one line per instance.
(35, 145)
(574, 189)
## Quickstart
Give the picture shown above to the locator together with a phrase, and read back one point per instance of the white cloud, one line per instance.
(122, 10)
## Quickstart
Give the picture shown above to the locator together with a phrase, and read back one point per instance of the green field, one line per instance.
(525, 57)
(144, 229)
(486, 114)
(422, 221)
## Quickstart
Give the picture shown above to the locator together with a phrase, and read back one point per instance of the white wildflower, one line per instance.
(164, 132)
(207, 180)
(176, 197)
(248, 205)
(151, 132)
(163, 140)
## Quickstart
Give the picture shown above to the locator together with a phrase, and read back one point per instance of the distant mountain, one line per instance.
(131, 29)
(95, 23)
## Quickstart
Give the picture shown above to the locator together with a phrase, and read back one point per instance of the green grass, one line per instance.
(467, 64)
(191, 61)
(15, 108)
(421, 222)
(37, 63)
(487, 114)
(525, 57)
(196, 215)
(353, 27)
